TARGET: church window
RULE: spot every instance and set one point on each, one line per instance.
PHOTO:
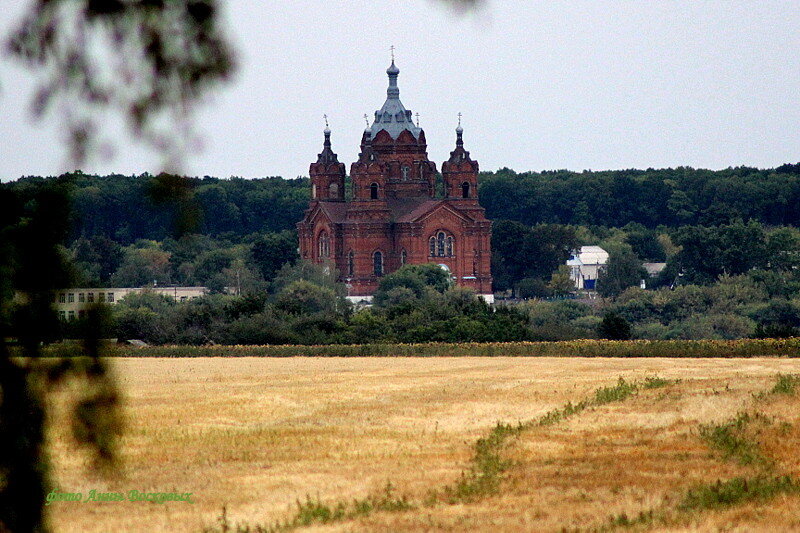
(373, 191)
(403, 257)
(324, 244)
(440, 239)
(387, 117)
(442, 245)
(377, 264)
(314, 191)
(404, 171)
(465, 190)
(351, 264)
(333, 190)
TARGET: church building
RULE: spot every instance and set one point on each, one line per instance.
(393, 214)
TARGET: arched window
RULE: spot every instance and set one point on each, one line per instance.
(404, 170)
(324, 244)
(377, 263)
(440, 240)
(373, 191)
(314, 190)
(351, 264)
(442, 245)
(403, 257)
(465, 190)
(333, 190)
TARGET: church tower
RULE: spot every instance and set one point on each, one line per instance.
(327, 174)
(400, 145)
(460, 173)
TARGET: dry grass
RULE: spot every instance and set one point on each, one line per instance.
(258, 434)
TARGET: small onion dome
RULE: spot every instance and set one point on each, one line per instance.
(392, 70)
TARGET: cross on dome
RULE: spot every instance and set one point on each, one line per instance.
(393, 117)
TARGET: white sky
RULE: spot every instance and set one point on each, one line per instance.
(542, 85)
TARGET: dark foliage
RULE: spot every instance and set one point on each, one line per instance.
(614, 327)
(31, 266)
(669, 197)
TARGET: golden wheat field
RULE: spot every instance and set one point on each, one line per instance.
(711, 445)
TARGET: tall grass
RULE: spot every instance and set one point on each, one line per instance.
(484, 475)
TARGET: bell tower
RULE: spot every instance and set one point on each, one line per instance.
(327, 174)
(460, 172)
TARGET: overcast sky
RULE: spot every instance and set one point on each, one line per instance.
(541, 84)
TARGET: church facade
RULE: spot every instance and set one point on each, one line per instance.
(393, 215)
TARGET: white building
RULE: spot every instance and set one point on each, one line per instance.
(73, 303)
(586, 265)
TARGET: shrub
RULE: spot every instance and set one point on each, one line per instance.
(613, 327)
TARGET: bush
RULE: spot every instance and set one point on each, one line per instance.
(613, 327)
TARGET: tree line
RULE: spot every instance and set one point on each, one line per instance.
(121, 207)
(242, 237)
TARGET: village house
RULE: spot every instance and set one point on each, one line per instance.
(586, 265)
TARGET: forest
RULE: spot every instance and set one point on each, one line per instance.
(729, 238)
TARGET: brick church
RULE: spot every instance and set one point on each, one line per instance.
(394, 215)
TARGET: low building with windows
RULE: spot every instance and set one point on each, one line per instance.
(72, 304)
(393, 215)
(586, 266)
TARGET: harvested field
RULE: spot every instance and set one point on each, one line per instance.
(257, 434)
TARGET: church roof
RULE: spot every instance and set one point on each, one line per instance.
(402, 209)
(335, 211)
(408, 209)
(393, 116)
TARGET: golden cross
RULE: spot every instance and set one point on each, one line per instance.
(366, 119)
(459, 118)
(326, 119)
(391, 49)
(417, 114)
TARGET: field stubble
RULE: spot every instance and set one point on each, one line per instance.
(256, 435)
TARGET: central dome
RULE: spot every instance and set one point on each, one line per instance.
(393, 117)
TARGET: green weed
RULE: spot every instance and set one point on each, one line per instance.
(730, 439)
(735, 491)
(314, 511)
(786, 384)
(619, 392)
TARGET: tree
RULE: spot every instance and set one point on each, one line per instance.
(99, 256)
(143, 266)
(623, 270)
(32, 266)
(415, 279)
(613, 327)
(272, 250)
(180, 54)
(304, 297)
(561, 283)
(520, 252)
(169, 54)
(708, 252)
